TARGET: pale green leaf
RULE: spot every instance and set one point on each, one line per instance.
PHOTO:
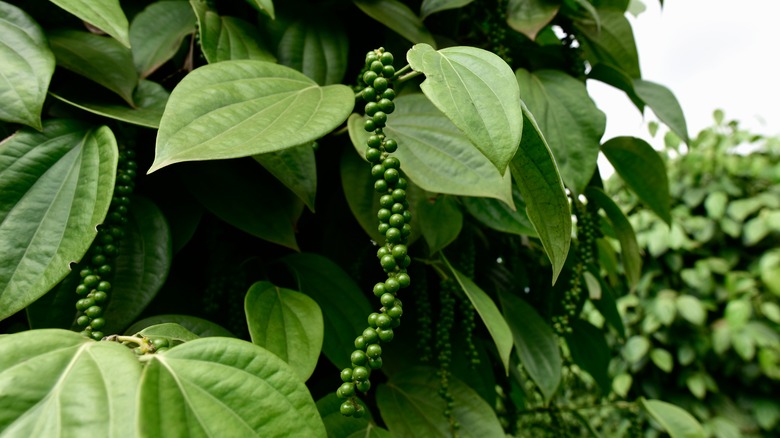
(55, 188)
(677, 422)
(286, 323)
(264, 6)
(692, 309)
(317, 47)
(157, 33)
(169, 330)
(665, 106)
(662, 359)
(106, 15)
(622, 384)
(296, 168)
(715, 204)
(398, 17)
(769, 270)
(199, 326)
(26, 66)
(530, 16)
(636, 348)
(239, 108)
(631, 256)
(440, 221)
(477, 91)
(429, 7)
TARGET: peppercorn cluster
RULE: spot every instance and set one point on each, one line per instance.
(394, 224)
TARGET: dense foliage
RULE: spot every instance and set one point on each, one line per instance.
(192, 193)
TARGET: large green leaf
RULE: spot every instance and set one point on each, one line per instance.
(535, 342)
(498, 216)
(486, 309)
(632, 258)
(339, 426)
(411, 407)
(665, 106)
(26, 66)
(225, 38)
(157, 32)
(440, 221)
(106, 15)
(142, 265)
(98, 58)
(317, 47)
(568, 118)
(547, 205)
(429, 7)
(286, 323)
(53, 381)
(643, 170)
(56, 308)
(239, 108)
(224, 387)
(398, 17)
(612, 75)
(611, 43)
(529, 17)
(434, 153)
(676, 421)
(296, 168)
(149, 98)
(201, 327)
(264, 6)
(240, 193)
(590, 351)
(55, 188)
(477, 91)
(331, 287)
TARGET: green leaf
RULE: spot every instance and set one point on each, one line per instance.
(692, 309)
(643, 171)
(612, 75)
(26, 66)
(612, 43)
(499, 216)
(489, 113)
(317, 47)
(149, 98)
(240, 193)
(622, 384)
(529, 17)
(98, 58)
(665, 106)
(142, 265)
(568, 118)
(440, 221)
(339, 426)
(434, 153)
(225, 38)
(330, 286)
(662, 359)
(590, 351)
(286, 323)
(157, 32)
(398, 17)
(715, 203)
(170, 331)
(264, 6)
(769, 270)
(632, 259)
(106, 15)
(547, 205)
(296, 168)
(535, 342)
(55, 188)
(410, 406)
(239, 108)
(224, 387)
(636, 348)
(429, 7)
(56, 308)
(201, 327)
(53, 380)
(607, 306)
(677, 422)
(486, 309)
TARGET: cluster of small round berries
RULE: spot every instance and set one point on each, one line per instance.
(422, 304)
(394, 223)
(468, 256)
(97, 271)
(447, 291)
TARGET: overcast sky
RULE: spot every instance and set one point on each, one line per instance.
(711, 54)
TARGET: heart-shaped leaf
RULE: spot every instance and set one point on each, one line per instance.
(240, 108)
(55, 188)
(286, 323)
(676, 421)
(224, 387)
(610, 40)
(398, 17)
(26, 66)
(296, 168)
(106, 15)
(440, 221)
(529, 17)
(201, 327)
(317, 47)
(157, 32)
(476, 90)
(665, 106)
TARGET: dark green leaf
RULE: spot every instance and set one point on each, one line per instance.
(330, 286)
(157, 32)
(239, 108)
(296, 168)
(590, 351)
(98, 58)
(434, 153)
(229, 38)
(440, 221)
(529, 17)
(53, 380)
(643, 170)
(568, 118)
(317, 47)
(57, 308)
(411, 407)
(339, 426)
(612, 75)
(224, 387)
(286, 323)
(488, 111)
(665, 106)
(488, 312)
(607, 306)
(398, 17)
(677, 422)
(547, 205)
(612, 43)
(429, 7)
(535, 342)
(199, 326)
(632, 259)
(142, 266)
(106, 15)
(55, 188)
(26, 66)
(264, 6)
(498, 216)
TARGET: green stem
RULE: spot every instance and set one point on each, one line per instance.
(403, 78)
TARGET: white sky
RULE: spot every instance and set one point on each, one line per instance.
(711, 54)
